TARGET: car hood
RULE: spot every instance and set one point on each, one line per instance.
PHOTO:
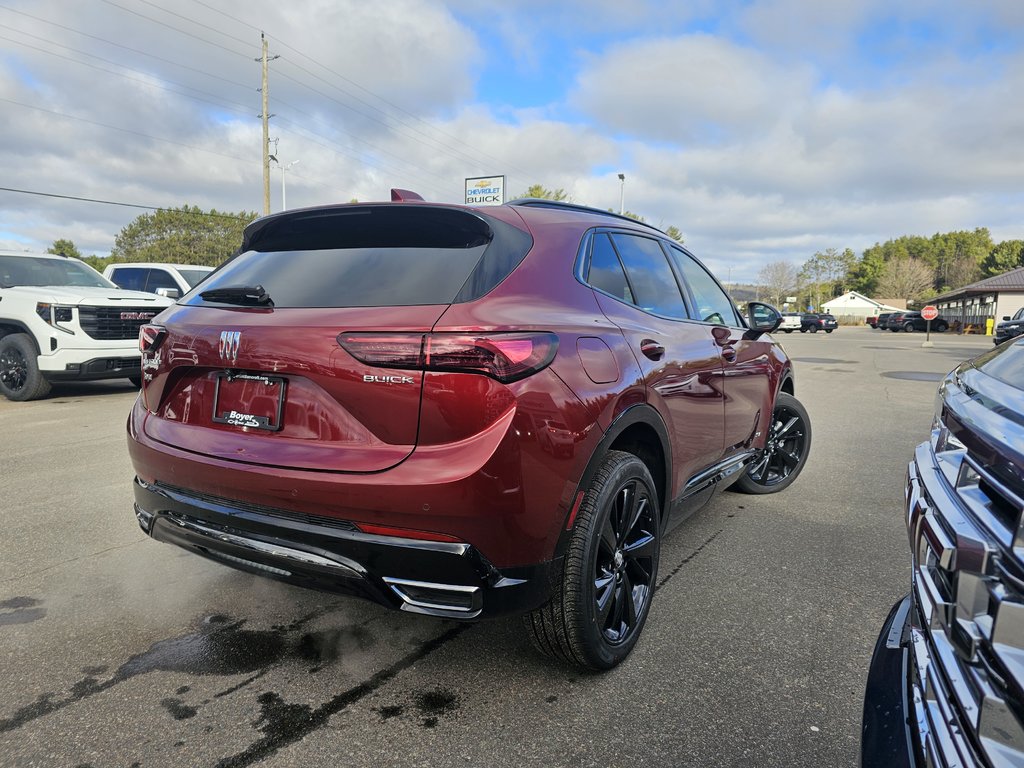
(78, 294)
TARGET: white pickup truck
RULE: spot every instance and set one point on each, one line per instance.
(60, 320)
(790, 322)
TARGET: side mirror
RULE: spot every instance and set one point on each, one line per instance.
(169, 293)
(763, 318)
(1006, 317)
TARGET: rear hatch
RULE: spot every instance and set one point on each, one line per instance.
(279, 359)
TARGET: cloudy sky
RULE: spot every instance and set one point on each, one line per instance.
(763, 129)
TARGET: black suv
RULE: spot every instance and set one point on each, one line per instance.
(946, 683)
(912, 321)
(814, 323)
(1010, 327)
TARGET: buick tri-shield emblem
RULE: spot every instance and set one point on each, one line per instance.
(229, 341)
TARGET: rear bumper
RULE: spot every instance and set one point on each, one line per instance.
(444, 579)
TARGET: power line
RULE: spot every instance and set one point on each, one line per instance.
(113, 202)
(240, 108)
(479, 152)
(207, 73)
(124, 130)
(176, 29)
(232, 106)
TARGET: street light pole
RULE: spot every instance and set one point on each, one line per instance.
(622, 193)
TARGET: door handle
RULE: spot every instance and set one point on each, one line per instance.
(652, 349)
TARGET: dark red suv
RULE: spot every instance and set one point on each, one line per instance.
(460, 412)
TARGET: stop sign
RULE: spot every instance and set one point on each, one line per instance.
(930, 312)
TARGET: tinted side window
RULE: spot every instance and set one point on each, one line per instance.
(654, 286)
(130, 278)
(160, 279)
(713, 305)
(605, 270)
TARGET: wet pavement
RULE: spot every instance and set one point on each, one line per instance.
(119, 651)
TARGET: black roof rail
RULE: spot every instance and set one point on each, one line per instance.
(543, 202)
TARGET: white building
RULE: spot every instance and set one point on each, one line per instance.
(854, 307)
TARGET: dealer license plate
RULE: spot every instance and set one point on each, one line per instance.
(249, 400)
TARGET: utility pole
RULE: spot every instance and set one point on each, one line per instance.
(265, 115)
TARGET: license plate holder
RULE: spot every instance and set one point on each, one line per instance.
(249, 400)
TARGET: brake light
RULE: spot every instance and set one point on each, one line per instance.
(151, 337)
(506, 357)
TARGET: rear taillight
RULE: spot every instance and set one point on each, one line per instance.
(506, 357)
(151, 337)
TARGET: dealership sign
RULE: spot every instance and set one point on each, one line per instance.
(485, 190)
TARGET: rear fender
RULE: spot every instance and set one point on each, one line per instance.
(658, 458)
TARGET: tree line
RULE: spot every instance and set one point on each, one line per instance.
(191, 235)
(910, 267)
(185, 235)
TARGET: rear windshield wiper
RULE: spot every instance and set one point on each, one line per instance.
(246, 295)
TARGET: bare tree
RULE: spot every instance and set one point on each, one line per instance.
(778, 280)
(906, 279)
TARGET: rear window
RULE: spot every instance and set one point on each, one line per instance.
(373, 256)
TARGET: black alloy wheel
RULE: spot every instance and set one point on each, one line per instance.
(597, 612)
(13, 369)
(785, 451)
(20, 378)
(625, 562)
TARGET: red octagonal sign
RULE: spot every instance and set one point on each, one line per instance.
(930, 312)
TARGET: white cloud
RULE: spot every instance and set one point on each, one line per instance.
(688, 89)
(759, 129)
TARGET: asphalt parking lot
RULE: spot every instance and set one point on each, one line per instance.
(118, 651)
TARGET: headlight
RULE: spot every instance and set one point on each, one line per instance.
(54, 313)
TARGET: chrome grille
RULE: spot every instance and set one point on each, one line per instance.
(110, 323)
(968, 635)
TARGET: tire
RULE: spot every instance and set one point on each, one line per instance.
(941, 327)
(136, 381)
(20, 378)
(788, 330)
(908, 327)
(599, 605)
(829, 330)
(785, 452)
(814, 329)
(803, 330)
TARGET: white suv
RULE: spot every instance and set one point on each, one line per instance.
(171, 280)
(60, 320)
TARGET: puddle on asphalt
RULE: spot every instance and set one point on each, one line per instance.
(21, 610)
(914, 375)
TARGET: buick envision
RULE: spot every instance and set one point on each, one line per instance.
(460, 412)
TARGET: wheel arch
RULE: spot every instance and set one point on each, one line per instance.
(787, 384)
(639, 430)
(8, 327)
